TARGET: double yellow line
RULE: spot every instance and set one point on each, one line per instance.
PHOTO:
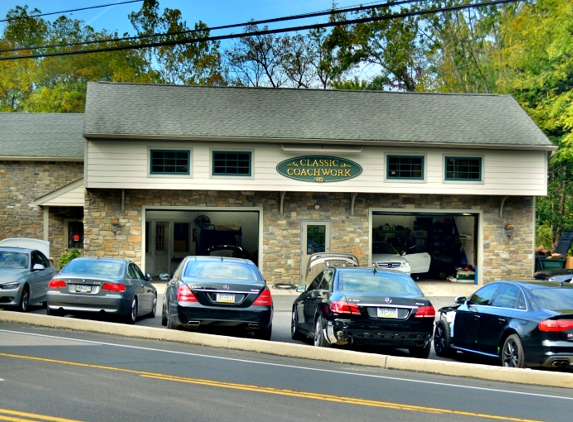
(268, 390)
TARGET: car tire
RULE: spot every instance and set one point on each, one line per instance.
(512, 354)
(319, 339)
(422, 352)
(163, 317)
(132, 314)
(153, 307)
(294, 333)
(442, 340)
(171, 324)
(24, 300)
(265, 333)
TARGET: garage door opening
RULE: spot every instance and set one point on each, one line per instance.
(171, 235)
(439, 246)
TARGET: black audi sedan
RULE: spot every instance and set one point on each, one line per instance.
(218, 292)
(521, 323)
(364, 306)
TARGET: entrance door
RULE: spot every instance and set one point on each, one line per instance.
(162, 247)
(316, 237)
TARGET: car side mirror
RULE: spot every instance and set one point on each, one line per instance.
(461, 300)
(301, 288)
(148, 277)
(38, 267)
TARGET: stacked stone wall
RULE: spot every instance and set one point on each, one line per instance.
(503, 257)
(21, 183)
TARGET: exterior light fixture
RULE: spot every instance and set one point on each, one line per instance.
(508, 229)
(115, 225)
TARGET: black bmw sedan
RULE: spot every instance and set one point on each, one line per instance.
(364, 306)
(218, 292)
(522, 323)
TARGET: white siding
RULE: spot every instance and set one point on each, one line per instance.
(124, 165)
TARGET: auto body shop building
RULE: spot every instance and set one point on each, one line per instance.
(170, 171)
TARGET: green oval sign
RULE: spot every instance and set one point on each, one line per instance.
(319, 169)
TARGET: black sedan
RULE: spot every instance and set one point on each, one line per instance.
(104, 286)
(364, 306)
(524, 324)
(218, 292)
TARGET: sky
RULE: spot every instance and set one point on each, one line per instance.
(211, 12)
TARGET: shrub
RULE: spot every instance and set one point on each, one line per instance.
(67, 257)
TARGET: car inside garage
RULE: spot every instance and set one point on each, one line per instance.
(449, 238)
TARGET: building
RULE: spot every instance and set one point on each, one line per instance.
(172, 170)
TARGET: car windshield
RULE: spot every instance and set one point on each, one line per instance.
(221, 270)
(554, 299)
(377, 283)
(384, 248)
(94, 267)
(16, 260)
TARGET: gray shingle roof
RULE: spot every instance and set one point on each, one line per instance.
(42, 135)
(327, 116)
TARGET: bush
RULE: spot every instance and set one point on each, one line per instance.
(67, 257)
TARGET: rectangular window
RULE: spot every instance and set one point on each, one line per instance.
(75, 235)
(170, 162)
(463, 168)
(231, 163)
(405, 167)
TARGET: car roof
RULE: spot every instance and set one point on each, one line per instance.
(15, 249)
(217, 258)
(539, 284)
(97, 258)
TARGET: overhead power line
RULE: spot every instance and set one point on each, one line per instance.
(218, 28)
(69, 11)
(264, 32)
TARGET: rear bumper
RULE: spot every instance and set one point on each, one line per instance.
(109, 304)
(341, 332)
(251, 318)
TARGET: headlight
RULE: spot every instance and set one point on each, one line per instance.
(405, 264)
(10, 285)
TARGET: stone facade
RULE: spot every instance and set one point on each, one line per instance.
(503, 257)
(21, 183)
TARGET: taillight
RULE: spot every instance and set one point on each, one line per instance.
(264, 299)
(114, 287)
(342, 307)
(425, 312)
(555, 325)
(184, 294)
(55, 284)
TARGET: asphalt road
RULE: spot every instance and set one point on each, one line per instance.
(48, 373)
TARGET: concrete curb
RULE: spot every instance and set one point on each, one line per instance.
(521, 376)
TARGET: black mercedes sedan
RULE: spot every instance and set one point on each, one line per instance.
(218, 292)
(521, 323)
(364, 306)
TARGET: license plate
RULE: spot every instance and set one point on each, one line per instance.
(226, 298)
(80, 288)
(387, 313)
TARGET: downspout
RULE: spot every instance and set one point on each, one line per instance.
(46, 223)
(501, 206)
(281, 206)
(352, 200)
(123, 200)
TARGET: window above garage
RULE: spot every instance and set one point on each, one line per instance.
(464, 169)
(404, 167)
(170, 162)
(232, 163)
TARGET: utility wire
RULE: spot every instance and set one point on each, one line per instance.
(218, 28)
(264, 32)
(68, 11)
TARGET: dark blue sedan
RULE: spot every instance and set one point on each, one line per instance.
(524, 324)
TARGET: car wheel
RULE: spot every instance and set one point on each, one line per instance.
(512, 354)
(294, 333)
(319, 340)
(24, 300)
(171, 324)
(132, 315)
(163, 317)
(442, 340)
(153, 307)
(265, 333)
(420, 352)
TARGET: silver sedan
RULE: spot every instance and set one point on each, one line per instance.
(102, 286)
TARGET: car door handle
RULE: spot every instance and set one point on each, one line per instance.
(477, 316)
(501, 320)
